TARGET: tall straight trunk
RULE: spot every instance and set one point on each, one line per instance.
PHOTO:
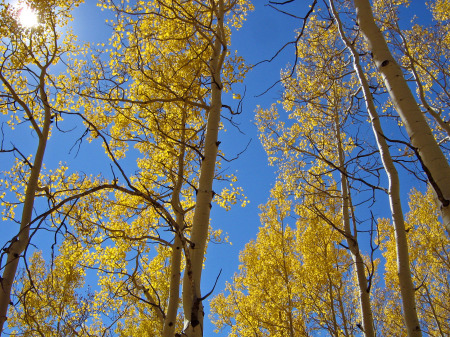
(20, 242)
(192, 298)
(407, 290)
(433, 160)
(352, 242)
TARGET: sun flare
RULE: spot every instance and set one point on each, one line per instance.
(27, 17)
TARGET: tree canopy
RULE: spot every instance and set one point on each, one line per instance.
(353, 237)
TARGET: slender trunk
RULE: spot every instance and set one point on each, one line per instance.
(20, 242)
(174, 288)
(433, 160)
(192, 298)
(352, 242)
(403, 266)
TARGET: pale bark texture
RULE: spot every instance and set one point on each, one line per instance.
(192, 298)
(433, 160)
(20, 242)
(174, 296)
(403, 264)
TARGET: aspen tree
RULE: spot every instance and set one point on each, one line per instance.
(352, 240)
(30, 93)
(162, 93)
(420, 134)
(318, 141)
(404, 272)
(281, 137)
(192, 298)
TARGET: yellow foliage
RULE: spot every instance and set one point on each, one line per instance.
(289, 280)
(430, 264)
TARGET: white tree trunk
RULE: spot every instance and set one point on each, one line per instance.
(174, 291)
(407, 290)
(192, 298)
(416, 126)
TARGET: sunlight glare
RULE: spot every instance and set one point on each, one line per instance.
(27, 16)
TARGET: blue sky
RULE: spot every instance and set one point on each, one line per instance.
(264, 32)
